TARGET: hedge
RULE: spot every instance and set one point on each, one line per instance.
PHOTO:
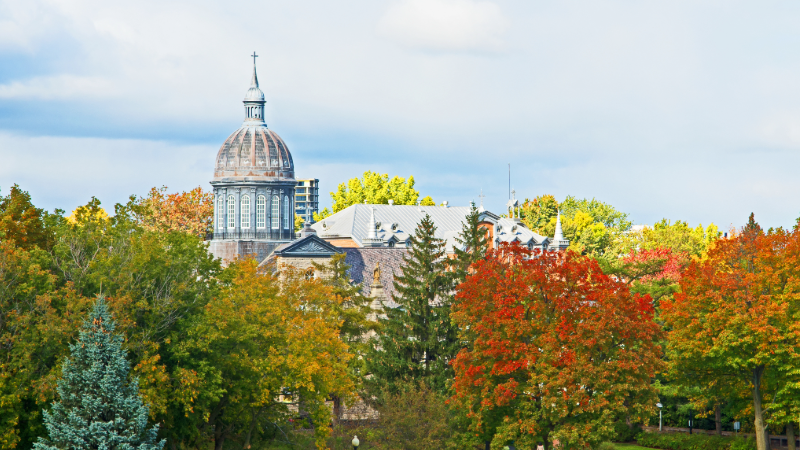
(681, 441)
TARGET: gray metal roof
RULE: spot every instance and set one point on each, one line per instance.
(398, 222)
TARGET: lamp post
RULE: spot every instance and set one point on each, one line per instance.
(355, 442)
(659, 416)
(690, 426)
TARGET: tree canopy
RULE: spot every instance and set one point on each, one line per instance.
(375, 189)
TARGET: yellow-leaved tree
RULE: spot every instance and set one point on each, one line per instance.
(375, 189)
(265, 351)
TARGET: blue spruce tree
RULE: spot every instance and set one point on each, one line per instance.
(99, 407)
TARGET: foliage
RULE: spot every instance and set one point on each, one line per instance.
(413, 418)
(557, 349)
(99, 406)
(376, 189)
(681, 441)
(188, 212)
(734, 323)
(606, 446)
(23, 223)
(591, 226)
(418, 339)
(475, 243)
(262, 338)
(298, 223)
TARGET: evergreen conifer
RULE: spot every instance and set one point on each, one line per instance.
(417, 339)
(475, 245)
(99, 407)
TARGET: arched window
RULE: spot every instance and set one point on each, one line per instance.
(261, 212)
(244, 222)
(275, 211)
(220, 212)
(231, 212)
(285, 212)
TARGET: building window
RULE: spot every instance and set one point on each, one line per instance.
(261, 212)
(231, 212)
(286, 212)
(220, 212)
(275, 211)
(244, 222)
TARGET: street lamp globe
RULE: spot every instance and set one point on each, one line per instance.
(356, 442)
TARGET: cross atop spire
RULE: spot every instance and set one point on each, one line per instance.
(254, 80)
(481, 209)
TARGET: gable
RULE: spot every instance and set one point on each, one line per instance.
(308, 246)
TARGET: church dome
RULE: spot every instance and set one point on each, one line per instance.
(254, 152)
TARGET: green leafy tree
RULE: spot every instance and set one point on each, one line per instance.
(418, 340)
(99, 406)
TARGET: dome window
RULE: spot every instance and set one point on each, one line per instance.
(220, 212)
(244, 221)
(261, 212)
(231, 211)
(285, 212)
(276, 209)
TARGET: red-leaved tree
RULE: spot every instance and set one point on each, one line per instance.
(556, 350)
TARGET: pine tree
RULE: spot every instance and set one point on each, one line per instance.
(475, 243)
(418, 340)
(99, 407)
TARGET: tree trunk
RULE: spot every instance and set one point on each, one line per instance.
(762, 439)
(337, 409)
(790, 436)
(718, 418)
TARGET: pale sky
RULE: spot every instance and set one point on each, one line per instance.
(687, 110)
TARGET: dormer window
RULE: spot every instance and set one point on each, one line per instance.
(394, 226)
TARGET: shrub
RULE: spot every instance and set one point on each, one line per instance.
(680, 441)
(606, 446)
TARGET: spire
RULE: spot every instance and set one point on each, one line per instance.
(372, 233)
(481, 208)
(254, 80)
(372, 239)
(558, 235)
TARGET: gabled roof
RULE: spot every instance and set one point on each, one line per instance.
(398, 222)
(305, 247)
(362, 264)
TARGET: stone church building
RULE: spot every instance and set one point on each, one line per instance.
(254, 194)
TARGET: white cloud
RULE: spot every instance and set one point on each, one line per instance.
(446, 25)
(58, 87)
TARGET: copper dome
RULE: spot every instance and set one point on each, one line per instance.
(254, 153)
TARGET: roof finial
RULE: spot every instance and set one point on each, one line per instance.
(254, 81)
(372, 233)
(558, 235)
(481, 209)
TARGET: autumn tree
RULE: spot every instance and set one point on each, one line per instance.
(188, 212)
(354, 311)
(375, 189)
(418, 339)
(557, 349)
(735, 322)
(262, 338)
(23, 223)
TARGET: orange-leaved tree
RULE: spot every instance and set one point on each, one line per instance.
(735, 322)
(189, 212)
(556, 349)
